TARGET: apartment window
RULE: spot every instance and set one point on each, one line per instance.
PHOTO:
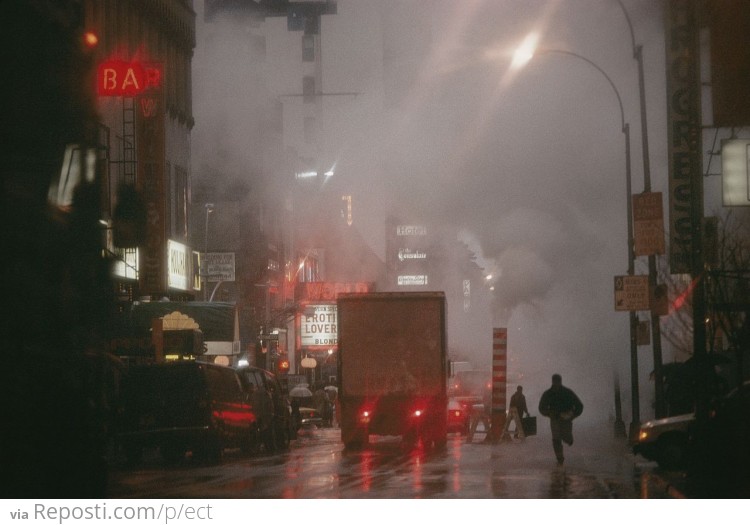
(178, 202)
(308, 48)
(308, 89)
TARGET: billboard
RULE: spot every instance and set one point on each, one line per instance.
(318, 326)
(407, 253)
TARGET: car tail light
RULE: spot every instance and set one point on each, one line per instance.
(364, 416)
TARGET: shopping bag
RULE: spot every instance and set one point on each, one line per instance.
(529, 425)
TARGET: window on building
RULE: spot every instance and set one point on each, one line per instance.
(308, 127)
(178, 202)
(308, 89)
(308, 48)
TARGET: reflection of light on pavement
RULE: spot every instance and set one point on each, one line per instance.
(365, 469)
(417, 458)
(456, 456)
(323, 481)
(292, 470)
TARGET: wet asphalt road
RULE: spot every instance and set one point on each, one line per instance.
(317, 466)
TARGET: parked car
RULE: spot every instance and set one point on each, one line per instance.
(310, 416)
(459, 414)
(184, 406)
(720, 452)
(670, 440)
(665, 440)
(271, 406)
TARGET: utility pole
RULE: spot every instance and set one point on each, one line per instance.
(652, 277)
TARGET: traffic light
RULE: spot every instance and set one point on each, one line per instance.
(282, 367)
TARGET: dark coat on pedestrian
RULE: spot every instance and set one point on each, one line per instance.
(518, 401)
(559, 402)
(561, 405)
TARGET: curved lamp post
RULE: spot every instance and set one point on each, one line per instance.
(520, 60)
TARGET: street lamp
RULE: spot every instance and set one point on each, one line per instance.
(209, 209)
(522, 56)
(655, 321)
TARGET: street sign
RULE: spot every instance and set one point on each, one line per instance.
(268, 337)
(631, 293)
(220, 266)
(648, 224)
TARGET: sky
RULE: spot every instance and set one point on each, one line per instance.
(529, 164)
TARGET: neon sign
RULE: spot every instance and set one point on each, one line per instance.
(120, 78)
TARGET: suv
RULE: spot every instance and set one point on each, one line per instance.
(184, 406)
(271, 405)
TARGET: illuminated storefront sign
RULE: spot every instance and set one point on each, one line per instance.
(734, 172)
(318, 325)
(405, 230)
(177, 265)
(412, 280)
(408, 254)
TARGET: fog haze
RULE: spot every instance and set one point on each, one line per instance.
(430, 121)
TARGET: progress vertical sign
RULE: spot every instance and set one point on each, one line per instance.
(684, 132)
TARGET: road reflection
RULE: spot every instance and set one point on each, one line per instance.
(318, 466)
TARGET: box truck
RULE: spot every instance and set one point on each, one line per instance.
(392, 366)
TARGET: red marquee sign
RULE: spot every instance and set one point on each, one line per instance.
(120, 78)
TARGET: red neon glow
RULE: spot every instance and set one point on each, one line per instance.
(681, 299)
(120, 78)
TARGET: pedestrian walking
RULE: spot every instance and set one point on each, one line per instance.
(518, 401)
(561, 405)
(516, 411)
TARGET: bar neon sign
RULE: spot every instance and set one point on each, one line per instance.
(120, 78)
